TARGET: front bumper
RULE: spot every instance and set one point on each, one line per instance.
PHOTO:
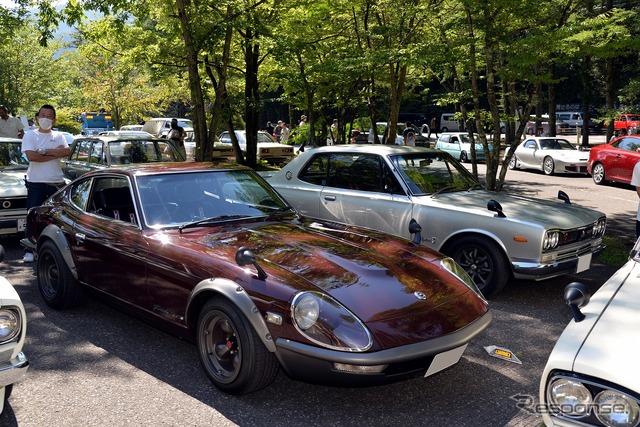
(13, 370)
(316, 364)
(542, 271)
(13, 225)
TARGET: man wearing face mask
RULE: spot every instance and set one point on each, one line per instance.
(44, 148)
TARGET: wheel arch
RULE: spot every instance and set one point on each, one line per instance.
(54, 234)
(483, 234)
(234, 293)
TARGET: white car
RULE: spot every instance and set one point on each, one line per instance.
(268, 148)
(550, 155)
(13, 329)
(493, 236)
(13, 192)
(592, 376)
(459, 146)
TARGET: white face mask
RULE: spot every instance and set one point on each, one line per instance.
(45, 124)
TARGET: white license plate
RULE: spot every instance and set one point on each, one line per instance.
(22, 223)
(444, 360)
(584, 262)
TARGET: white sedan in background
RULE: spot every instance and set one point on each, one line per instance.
(458, 145)
(550, 155)
(269, 149)
(592, 376)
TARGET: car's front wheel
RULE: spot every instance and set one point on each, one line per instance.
(463, 157)
(231, 352)
(548, 165)
(513, 162)
(58, 287)
(483, 261)
(597, 173)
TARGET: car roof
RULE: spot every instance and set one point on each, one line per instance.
(384, 149)
(142, 169)
(121, 137)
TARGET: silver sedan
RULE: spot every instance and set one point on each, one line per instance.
(493, 236)
(550, 155)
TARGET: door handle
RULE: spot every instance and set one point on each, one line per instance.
(330, 198)
(80, 238)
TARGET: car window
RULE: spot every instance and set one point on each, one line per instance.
(80, 194)
(444, 138)
(140, 151)
(81, 150)
(454, 140)
(530, 144)
(316, 170)
(264, 137)
(97, 155)
(630, 144)
(355, 171)
(11, 155)
(111, 198)
(427, 173)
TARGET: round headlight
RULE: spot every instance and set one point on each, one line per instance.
(9, 324)
(570, 398)
(616, 409)
(306, 311)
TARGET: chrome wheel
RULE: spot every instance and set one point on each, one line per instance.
(548, 166)
(597, 173)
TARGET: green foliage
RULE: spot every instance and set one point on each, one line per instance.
(616, 252)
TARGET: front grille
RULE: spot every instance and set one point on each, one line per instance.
(576, 235)
(13, 203)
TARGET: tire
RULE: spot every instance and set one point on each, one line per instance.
(7, 392)
(513, 162)
(548, 166)
(484, 261)
(231, 353)
(463, 157)
(444, 129)
(503, 130)
(598, 174)
(58, 287)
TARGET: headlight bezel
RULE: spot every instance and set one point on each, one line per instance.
(330, 328)
(596, 410)
(454, 268)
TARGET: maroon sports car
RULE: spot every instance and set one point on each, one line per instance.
(214, 255)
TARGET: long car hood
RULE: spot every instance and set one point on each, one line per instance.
(610, 334)
(554, 213)
(13, 183)
(374, 275)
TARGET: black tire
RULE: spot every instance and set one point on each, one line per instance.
(513, 162)
(231, 352)
(58, 287)
(444, 129)
(463, 157)
(548, 166)
(484, 261)
(598, 174)
(7, 392)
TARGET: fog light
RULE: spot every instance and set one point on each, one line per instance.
(359, 369)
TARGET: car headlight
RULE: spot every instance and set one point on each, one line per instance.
(571, 398)
(616, 409)
(326, 322)
(599, 227)
(454, 268)
(9, 324)
(551, 239)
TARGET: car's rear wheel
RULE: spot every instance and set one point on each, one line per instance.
(483, 260)
(463, 157)
(598, 174)
(548, 165)
(231, 352)
(58, 287)
(444, 129)
(513, 162)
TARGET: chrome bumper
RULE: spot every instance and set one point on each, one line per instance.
(13, 370)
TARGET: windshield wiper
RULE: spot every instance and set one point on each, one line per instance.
(448, 187)
(278, 211)
(210, 219)
(474, 185)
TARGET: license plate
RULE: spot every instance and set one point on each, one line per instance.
(444, 360)
(584, 262)
(22, 223)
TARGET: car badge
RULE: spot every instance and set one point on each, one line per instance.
(420, 295)
(502, 353)
(288, 175)
(6, 204)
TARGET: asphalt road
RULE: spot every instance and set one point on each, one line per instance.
(95, 365)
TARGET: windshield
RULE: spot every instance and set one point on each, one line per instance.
(555, 144)
(429, 173)
(11, 156)
(140, 151)
(175, 199)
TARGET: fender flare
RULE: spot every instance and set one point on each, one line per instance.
(241, 299)
(55, 234)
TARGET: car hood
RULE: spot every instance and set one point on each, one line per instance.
(605, 344)
(569, 155)
(401, 291)
(525, 210)
(13, 183)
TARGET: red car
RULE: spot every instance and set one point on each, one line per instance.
(214, 255)
(614, 161)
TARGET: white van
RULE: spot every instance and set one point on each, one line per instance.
(449, 124)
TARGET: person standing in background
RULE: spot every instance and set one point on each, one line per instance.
(284, 133)
(176, 135)
(10, 127)
(433, 127)
(44, 148)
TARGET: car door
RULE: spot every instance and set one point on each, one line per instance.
(77, 163)
(527, 153)
(362, 190)
(623, 161)
(110, 253)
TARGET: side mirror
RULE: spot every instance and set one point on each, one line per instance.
(244, 256)
(494, 206)
(415, 229)
(1, 253)
(576, 296)
(564, 196)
